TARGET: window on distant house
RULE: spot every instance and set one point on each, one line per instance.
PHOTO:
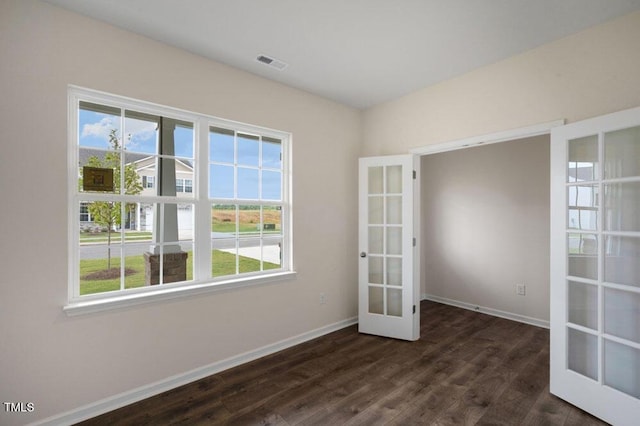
(157, 204)
(147, 181)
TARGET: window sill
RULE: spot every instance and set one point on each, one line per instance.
(81, 307)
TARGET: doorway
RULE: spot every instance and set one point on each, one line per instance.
(485, 228)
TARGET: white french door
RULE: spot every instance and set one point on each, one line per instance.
(389, 286)
(595, 265)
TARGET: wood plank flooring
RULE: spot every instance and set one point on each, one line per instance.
(467, 369)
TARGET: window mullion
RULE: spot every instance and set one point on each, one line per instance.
(202, 219)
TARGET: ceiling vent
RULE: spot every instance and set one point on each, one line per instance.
(272, 62)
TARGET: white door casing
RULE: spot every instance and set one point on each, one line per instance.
(595, 265)
(389, 283)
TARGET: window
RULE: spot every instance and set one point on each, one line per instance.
(184, 185)
(147, 181)
(157, 205)
(245, 172)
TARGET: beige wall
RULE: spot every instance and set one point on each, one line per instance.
(485, 226)
(591, 73)
(62, 363)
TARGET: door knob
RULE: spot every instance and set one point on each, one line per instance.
(363, 254)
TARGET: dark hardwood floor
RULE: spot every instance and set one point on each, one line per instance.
(467, 369)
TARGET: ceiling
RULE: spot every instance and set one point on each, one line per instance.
(357, 52)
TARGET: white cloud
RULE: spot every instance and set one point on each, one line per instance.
(139, 131)
(101, 129)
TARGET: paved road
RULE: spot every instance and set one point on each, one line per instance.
(99, 251)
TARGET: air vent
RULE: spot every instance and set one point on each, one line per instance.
(272, 62)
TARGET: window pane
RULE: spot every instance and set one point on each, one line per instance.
(221, 145)
(250, 256)
(582, 353)
(220, 181)
(98, 171)
(141, 133)
(622, 260)
(583, 207)
(619, 360)
(583, 260)
(184, 139)
(223, 261)
(272, 255)
(223, 221)
(394, 271)
(622, 153)
(100, 267)
(394, 210)
(622, 314)
(98, 126)
(394, 240)
(134, 262)
(394, 179)
(583, 304)
(185, 222)
(394, 302)
(271, 185)
(583, 159)
(247, 183)
(271, 153)
(376, 184)
(375, 270)
(376, 213)
(376, 240)
(248, 150)
(249, 223)
(271, 220)
(622, 201)
(144, 217)
(376, 301)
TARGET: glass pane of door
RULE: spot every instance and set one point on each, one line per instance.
(385, 240)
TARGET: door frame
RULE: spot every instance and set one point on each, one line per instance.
(490, 138)
(510, 135)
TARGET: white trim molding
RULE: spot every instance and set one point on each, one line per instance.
(129, 397)
(504, 136)
(489, 311)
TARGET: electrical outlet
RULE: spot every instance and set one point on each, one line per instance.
(521, 289)
(323, 299)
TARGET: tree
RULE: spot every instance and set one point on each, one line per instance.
(109, 213)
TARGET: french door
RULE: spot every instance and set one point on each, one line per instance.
(595, 265)
(389, 286)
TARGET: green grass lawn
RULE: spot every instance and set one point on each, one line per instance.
(223, 264)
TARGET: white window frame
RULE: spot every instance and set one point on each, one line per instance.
(202, 280)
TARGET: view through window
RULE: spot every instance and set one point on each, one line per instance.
(151, 194)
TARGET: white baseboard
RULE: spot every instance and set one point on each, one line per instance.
(489, 311)
(138, 394)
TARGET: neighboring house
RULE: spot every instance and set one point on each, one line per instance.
(141, 219)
